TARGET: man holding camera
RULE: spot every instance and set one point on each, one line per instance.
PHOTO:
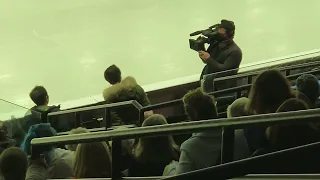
(223, 54)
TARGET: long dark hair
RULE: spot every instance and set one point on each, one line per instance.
(268, 92)
(156, 149)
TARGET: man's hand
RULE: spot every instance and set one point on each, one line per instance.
(204, 55)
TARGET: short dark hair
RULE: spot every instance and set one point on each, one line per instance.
(292, 104)
(199, 105)
(112, 74)
(13, 164)
(39, 95)
(268, 92)
(308, 85)
(229, 26)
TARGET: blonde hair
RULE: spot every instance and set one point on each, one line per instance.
(92, 160)
(79, 130)
(156, 149)
(238, 108)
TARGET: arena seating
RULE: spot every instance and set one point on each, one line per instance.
(99, 118)
(294, 160)
(247, 78)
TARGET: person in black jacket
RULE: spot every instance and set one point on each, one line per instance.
(38, 113)
(223, 54)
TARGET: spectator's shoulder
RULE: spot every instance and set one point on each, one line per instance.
(189, 144)
(125, 85)
(236, 48)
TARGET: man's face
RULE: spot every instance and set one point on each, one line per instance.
(222, 31)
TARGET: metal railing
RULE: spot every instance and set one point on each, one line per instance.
(250, 75)
(238, 90)
(297, 160)
(106, 107)
(228, 125)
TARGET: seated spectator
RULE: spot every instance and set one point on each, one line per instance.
(38, 169)
(238, 109)
(38, 113)
(5, 140)
(267, 93)
(92, 160)
(53, 156)
(151, 155)
(124, 90)
(308, 89)
(79, 130)
(13, 164)
(203, 149)
(291, 135)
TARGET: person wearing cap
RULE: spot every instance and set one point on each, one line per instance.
(223, 54)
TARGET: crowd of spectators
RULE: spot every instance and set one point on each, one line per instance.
(271, 92)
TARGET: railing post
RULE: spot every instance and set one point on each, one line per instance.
(238, 94)
(141, 116)
(108, 118)
(116, 159)
(227, 145)
(78, 119)
(250, 79)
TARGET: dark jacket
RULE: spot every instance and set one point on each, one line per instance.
(128, 89)
(223, 56)
(37, 115)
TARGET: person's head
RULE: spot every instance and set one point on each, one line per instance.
(292, 104)
(39, 96)
(238, 108)
(268, 92)
(92, 160)
(112, 74)
(79, 130)
(199, 105)
(290, 135)
(13, 164)
(308, 85)
(226, 29)
(155, 149)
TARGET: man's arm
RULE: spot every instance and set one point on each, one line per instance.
(232, 62)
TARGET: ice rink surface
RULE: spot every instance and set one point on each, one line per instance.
(65, 45)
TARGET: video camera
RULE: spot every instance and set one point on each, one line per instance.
(209, 36)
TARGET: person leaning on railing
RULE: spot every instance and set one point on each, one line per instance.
(56, 159)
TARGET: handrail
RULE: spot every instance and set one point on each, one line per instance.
(107, 109)
(124, 103)
(181, 128)
(275, 161)
(292, 67)
(276, 60)
(216, 93)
